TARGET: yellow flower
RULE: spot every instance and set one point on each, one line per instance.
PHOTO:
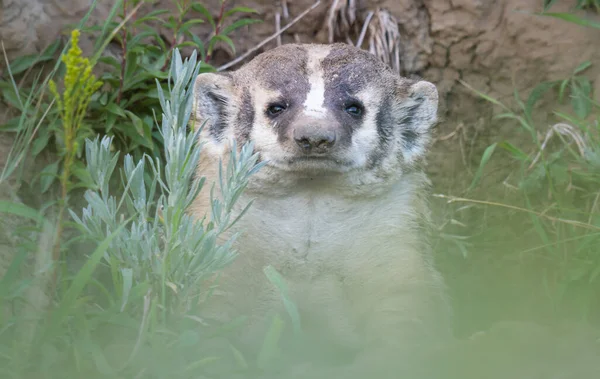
(79, 85)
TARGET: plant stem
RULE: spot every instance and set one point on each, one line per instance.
(217, 29)
(124, 53)
(64, 185)
(175, 32)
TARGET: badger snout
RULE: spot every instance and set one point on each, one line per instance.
(314, 139)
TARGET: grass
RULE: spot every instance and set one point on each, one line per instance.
(532, 235)
(128, 306)
(145, 275)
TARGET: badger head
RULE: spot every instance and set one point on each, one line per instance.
(315, 110)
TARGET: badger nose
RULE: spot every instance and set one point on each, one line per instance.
(317, 141)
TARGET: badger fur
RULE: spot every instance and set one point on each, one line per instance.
(339, 209)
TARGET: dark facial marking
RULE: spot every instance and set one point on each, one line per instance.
(220, 111)
(408, 132)
(346, 73)
(409, 138)
(284, 70)
(385, 130)
(387, 123)
(245, 118)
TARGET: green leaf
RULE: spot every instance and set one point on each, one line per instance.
(276, 279)
(239, 357)
(25, 62)
(152, 16)
(487, 154)
(513, 150)
(79, 282)
(127, 275)
(206, 67)
(186, 26)
(137, 40)
(200, 363)
(239, 24)
(186, 43)
(573, 19)
(239, 10)
(201, 9)
(567, 117)
(12, 98)
(188, 339)
(561, 90)
(115, 109)
(223, 329)
(548, 4)
(107, 24)
(40, 141)
(580, 102)
(269, 348)
(11, 275)
(111, 119)
(483, 95)
(537, 94)
(137, 122)
(136, 136)
(582, 67)
(594, 274)
(47, 176)
(110, 61)
(20, 210)
(12, 125)
(83, 175)
(223, 38)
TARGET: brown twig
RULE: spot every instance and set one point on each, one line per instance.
(452, 199)
(286, 17)
(278, 27)
(217, 30)
(330, 19)
(268, 39)
(284, 9)
(363, 32)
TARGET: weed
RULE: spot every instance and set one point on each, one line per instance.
(554, 186)
(581, 4)
(154, 255)
(122, 108)
(79, 86)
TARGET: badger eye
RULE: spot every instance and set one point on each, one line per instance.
(275, 109)
(354, 109)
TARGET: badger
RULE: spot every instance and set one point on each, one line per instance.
(339, 208)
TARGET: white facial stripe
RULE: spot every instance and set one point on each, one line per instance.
(263, 133)
(366, 138)
(315, 99)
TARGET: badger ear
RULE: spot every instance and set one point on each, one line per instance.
(418, 115)
(213, 101)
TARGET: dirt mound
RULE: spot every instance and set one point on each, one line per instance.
(494, 46)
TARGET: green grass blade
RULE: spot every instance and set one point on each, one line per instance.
(20, 210)
(276, 279)
(81, 279)
(573, 19)
(487, 154)
(271, 342)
